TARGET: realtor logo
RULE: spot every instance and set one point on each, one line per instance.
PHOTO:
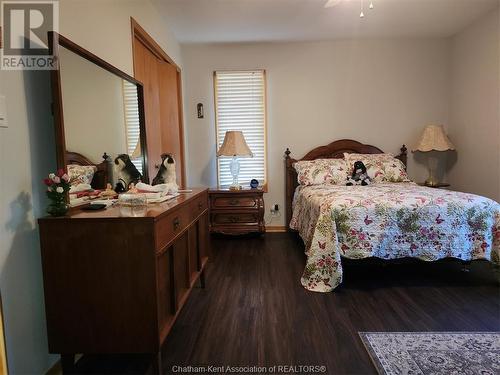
(25, 25)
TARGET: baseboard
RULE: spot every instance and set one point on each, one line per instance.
(56, 368)
(275, 229)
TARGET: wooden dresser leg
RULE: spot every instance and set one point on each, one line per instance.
(68, 363)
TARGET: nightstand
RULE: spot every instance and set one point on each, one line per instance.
(236, 211)
(441, 185)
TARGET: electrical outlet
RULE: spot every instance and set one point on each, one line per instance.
(275, 209)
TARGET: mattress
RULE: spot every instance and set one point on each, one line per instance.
(390, 221)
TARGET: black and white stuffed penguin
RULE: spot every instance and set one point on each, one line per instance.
(166, 174)
(126, 173)
(359, 175)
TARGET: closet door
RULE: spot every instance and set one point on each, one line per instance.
(146, 71)
(170, 114)
(162, 102)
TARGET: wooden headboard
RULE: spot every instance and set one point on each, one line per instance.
(101, 176)
(334, 150)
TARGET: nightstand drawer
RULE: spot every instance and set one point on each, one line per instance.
(227, 202)
(235, 218)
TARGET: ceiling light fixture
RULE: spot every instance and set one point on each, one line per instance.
(332, 3)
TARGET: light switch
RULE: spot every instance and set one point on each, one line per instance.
(3, 113)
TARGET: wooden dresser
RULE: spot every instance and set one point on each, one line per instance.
(236, 211)
(116, 284)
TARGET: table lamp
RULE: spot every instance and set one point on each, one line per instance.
(433, 140)
(234, 145)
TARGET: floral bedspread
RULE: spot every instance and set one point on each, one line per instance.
(389, 221)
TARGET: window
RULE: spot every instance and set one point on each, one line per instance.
(240, 104)
(133, 130)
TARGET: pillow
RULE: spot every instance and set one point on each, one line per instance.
(380, 167)
(321, 171)
(81, 174)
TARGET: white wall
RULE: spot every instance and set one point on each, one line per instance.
(475, 107)
(380, 92)
(27, 154)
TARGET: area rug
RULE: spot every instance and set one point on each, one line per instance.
(436, 353)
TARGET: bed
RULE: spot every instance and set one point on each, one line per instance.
(101, 175)
(387, 220)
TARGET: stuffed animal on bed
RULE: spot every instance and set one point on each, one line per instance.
(359, 175)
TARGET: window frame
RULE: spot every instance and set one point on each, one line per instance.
(264, 186)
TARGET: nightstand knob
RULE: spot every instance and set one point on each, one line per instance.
(234, 202)
(233, 219)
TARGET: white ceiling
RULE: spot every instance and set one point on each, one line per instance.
(212, 21)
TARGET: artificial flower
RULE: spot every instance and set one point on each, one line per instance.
(60, 190)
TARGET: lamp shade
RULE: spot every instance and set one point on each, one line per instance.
(234, 145)
(434, 139)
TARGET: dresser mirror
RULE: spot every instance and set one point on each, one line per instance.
(98, 112)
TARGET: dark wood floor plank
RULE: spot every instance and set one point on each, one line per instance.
(255, 312)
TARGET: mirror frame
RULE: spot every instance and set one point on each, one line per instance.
(55, 42)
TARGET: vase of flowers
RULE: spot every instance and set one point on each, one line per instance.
(57, 188)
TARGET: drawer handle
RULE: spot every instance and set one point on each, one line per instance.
(176, 223)
(233, 219)
(200, 205)
(234, 202)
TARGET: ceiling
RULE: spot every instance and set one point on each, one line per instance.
(222, 21)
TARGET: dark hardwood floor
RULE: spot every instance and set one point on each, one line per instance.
(255, 312)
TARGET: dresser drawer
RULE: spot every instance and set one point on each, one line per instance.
(198, 205)
(229, 202)
(170, 226)
(235, 218)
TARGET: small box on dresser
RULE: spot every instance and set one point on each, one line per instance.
(236, 211)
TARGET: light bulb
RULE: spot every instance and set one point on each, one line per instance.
(361, 15)
(371, 5)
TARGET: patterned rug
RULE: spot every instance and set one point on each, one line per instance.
(436, 353)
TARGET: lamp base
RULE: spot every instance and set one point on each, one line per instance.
(432, 163)
(431, 183)
(234, 167)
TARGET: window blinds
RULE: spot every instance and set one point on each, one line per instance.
(133, 130)
(240, 98)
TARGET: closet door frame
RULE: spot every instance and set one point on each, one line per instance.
(139, 34)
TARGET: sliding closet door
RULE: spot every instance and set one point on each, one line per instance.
(146, 71)
(162, 102)
(170, 111)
